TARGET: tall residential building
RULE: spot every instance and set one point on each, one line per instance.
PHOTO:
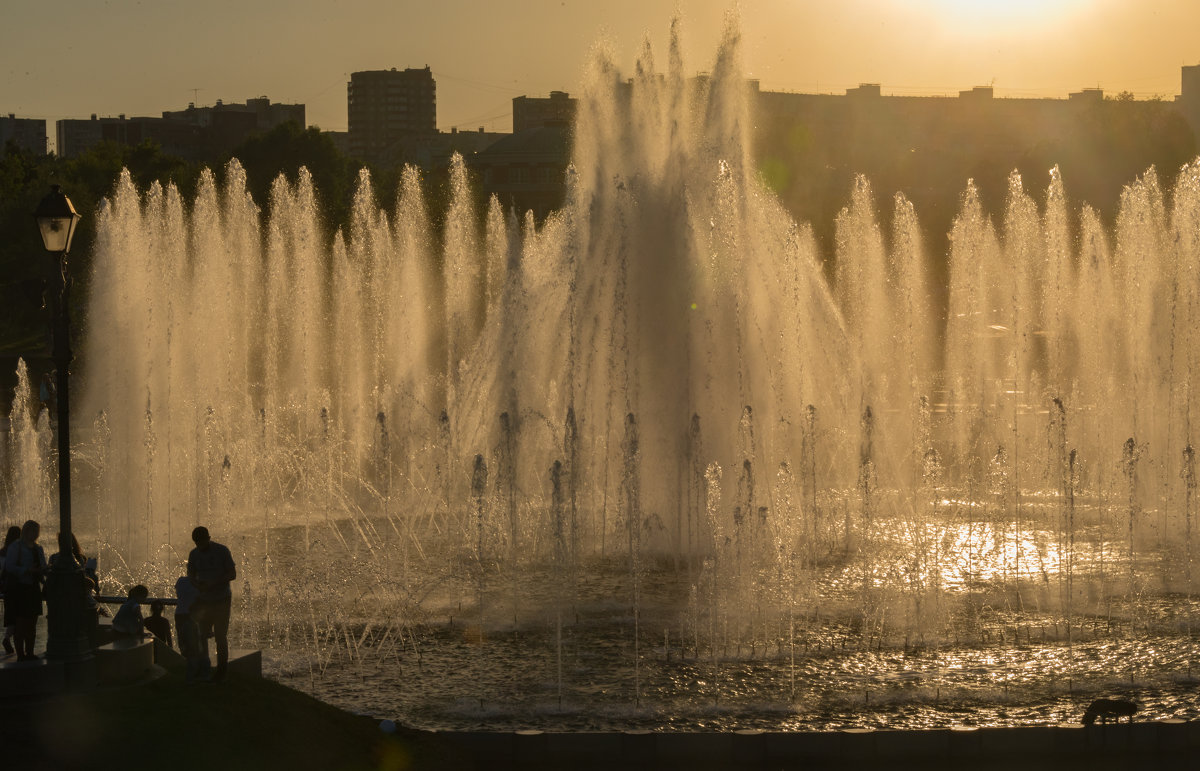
(387, 108)
(1188, 100)
(28, 133)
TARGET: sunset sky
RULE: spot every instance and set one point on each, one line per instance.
(140, 57)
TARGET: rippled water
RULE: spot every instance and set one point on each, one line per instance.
(510, 683)
(1001, 648)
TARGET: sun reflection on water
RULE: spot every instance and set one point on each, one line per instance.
(963, 621)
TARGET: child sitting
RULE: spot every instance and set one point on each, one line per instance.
(128, 621)
(188, 630)
(157, 625)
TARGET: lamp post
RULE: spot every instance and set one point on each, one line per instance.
(67, 639)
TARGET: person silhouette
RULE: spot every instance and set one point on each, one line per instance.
(91, 609)
(187, 631)
(211, 569)
(25, 562)
(157, 625)
(8, 588)
(129, 621)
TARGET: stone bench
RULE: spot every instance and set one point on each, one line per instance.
(125, 660)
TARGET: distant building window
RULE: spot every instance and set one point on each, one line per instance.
(520, 175)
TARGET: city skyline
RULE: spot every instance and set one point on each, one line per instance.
(132, 59)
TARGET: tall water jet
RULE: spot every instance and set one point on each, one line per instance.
(28, 453)
(561, 557)
(572, 476)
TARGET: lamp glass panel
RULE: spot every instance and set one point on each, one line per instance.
(56, 232)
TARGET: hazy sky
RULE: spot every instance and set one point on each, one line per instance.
(140, 57)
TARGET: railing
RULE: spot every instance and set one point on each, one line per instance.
(107, 600)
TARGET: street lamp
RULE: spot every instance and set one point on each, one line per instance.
(66, 638)
(56, 218)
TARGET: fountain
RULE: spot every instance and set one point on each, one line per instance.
(641, 464)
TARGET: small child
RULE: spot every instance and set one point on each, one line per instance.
(188, 630)
(157, 625)
(128, 622)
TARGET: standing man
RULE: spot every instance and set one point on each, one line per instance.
(210, 569)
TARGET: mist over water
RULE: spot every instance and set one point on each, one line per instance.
(643, 463)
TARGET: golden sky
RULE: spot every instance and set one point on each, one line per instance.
(140, 57)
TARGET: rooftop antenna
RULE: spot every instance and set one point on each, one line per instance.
(195, 94)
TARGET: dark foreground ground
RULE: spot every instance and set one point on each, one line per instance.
(258, 724)
(168, 724)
